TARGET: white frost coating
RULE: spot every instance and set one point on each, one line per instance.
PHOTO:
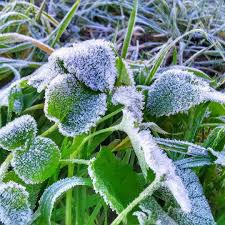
(43, 76)
(177, 91)
(14, 206)
(37, 163)
(53, 192)
(219, 155)
(162, 165)
(73, 106)
(97, 189)
(92, 62)
(129, 126)
(131, 99)
(200, 213)
(16, 135)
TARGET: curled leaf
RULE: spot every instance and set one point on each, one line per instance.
(92, 62)
(177, 91)
(53, 192)
(14, 207)
(37, 163)
(75, 107)
(18, 134)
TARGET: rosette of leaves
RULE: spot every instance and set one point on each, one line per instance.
(177, 91)
(77, 80)
(35, 158)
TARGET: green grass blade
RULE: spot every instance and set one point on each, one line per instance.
(64, 23)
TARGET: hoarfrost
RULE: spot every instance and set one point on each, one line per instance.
(43, 76)
(177, 91)
(131, 99)
(14, 207)
(201, 213)
(38, 162)
(75, 107)
(16, 135)
(92, 62)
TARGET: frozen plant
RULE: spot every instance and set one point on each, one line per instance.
(177, 91)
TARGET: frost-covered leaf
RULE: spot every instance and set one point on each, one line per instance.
(177, 91)
(132, 100)
(53, 192)
(18, 134)
(200, 211)
(72, 105)
(39, 162)
(152, 213)
(112, 178)
(92, 62)
(158, 161)
(33, 190)
(14, 207)
(42, 77)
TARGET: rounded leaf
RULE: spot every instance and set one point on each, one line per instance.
(14, 207)
(37, 163)
(17, 134)
(176, 91)
(72, 105)
(92, 62)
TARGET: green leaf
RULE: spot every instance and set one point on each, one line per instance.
(111, 179)
(39, 162)
(52, 193)
(18, 134)
(15, 99)
(72, 105)
(177, 91)
(14, 207)
(33, 190)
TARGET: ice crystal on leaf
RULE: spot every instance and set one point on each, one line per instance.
(17, 134)
(14, 207)
(163, 166)
(92, 62)
(131, 99)
(75, 107)
(43, 76)
(38, 162)
(200, 213)
(177, 91)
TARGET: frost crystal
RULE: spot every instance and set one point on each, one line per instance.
(162, 165)
(43, 76)
(17, 134)
(92, 62)
(38, 162)
(200, 213)
(14, 207)
(75, 107)
(131, 99)
(177, 91)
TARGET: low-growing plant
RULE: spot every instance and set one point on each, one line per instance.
(122, 148)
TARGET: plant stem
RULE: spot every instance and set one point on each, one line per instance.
(69, 198)
(77, 151)
(78, 161)
(50, 130)
(4, 166)
(34, 107)
(109, 116)
(144, 194)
